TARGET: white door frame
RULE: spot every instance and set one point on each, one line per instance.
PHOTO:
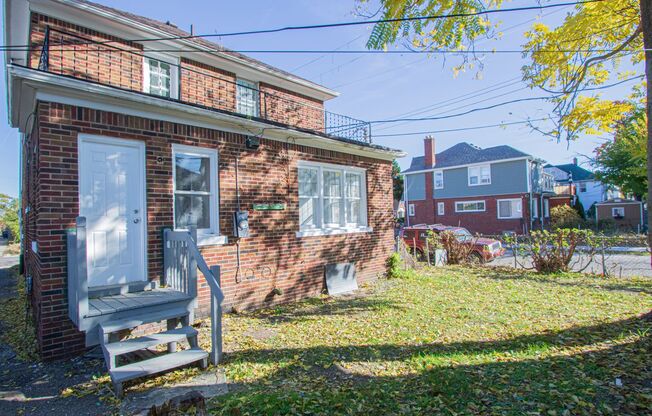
(140, 146)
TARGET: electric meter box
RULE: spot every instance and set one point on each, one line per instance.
(241, 224)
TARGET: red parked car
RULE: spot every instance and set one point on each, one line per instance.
(484, 250)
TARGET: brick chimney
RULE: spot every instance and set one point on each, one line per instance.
(429, 151)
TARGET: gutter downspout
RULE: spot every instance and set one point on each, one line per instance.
(405, 198)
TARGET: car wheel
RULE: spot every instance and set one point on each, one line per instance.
(475, 258)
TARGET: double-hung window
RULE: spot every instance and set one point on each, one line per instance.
(546, 208)
(332, 198)
(247, 97)
(510, 208)
(160, 76)
(439, 179)
(535, 208)
(195, 190)
(479, 175)
(440, 208)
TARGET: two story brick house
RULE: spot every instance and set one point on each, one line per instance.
(488, 191)
(125, 137)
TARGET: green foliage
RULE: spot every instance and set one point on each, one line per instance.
(564, 216)
(580, 209)
(18, 327)
(397, 181)
(552, 252)
(9, 212)
(393, 264)
(622, 162)
(457, 252)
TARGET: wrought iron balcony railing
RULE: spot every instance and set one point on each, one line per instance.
(126, 66)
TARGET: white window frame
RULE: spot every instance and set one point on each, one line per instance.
(252, 86)
(411, 210)
(484, 206)
(471, 172)
(174, 73)
(535, 207)
(342, 228)
(206, 236)
(516, 213)
(434, 178)
(546, 208)
(618, 209)
(441, 208)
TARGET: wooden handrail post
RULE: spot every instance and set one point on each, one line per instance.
(216, 320)
(82, 269)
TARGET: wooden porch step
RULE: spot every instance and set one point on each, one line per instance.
(146, 341)
(158, 365)
(141, 319)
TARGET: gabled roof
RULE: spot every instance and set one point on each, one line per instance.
(174, 31)
(466, 154)
(578, 172)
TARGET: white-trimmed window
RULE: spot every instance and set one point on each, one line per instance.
(510, 208)
(247, 97)
(411, 210)
(331, 197)
(194, 171)
(582, 187)
(546, 208)
(439, 179)
(470, 206)
(440, 208)
(160, 76)
(535, 208)
(479, 175)
(618, 212)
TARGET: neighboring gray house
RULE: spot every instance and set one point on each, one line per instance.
(572, 179)
(488, 191)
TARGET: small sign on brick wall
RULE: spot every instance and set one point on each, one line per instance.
(274, 206)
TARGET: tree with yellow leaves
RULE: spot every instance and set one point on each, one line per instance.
(571, 62)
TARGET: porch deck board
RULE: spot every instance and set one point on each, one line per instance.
(107, 305)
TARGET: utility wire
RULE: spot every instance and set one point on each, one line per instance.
(486, 126)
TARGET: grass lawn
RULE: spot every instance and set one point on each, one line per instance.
(448, 341)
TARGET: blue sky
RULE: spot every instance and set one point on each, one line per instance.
(372, 87)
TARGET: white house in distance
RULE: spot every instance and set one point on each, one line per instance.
(587, 188)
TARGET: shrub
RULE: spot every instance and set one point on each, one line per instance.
(552, 252)
(564, 216)
(393, 264)
(457, 252)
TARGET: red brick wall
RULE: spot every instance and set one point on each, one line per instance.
(272, 257)
(201, 84)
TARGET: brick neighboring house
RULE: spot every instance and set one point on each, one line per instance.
(137, 140)
(488, 191)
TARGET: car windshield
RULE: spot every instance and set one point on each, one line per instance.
(463, 235)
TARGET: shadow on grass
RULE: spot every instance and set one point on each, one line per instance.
(513, 376)
(610, 284)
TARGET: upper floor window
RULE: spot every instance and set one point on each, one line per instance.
(331, 196)
(479, 175)
(195, 189)
(160, 77)
(582, 186)
(247, 98)
(439, 179)
(511, 208)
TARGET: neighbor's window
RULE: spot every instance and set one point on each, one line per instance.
(247, 97)
(439, 179)
(618, 212)
(160, 77)
(440, 208)
(582, 186)
(546, 208)
(411, 210)
(195, 188)
(535, 208)
(479, 175)
(470, 206)
(331, 197)
(511, 208)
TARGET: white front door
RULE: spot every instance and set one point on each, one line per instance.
(112, 198)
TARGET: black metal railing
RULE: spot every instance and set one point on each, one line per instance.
(122, 64)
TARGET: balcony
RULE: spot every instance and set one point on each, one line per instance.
(129, 67)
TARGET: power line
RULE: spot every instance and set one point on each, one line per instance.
(486, 126)
(351, 23)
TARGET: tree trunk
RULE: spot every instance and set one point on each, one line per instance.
(646, 24)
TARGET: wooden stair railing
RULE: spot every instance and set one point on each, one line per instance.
(182, 258)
